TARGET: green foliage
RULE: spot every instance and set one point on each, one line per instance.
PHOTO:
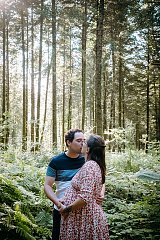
(133, 197)
(25, 212)
(132, 201)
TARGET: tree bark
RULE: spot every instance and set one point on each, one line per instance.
(63, 87)
(7, 86)
(105, 85)
(27, 69)
(24, 140)
(120, 86)
(147, 99)
(46, 95)
(39, 80)
(3, 137)
(54, 91)
(98, 89)
(70, 86)
(158, 114)
(32, 86)
(84, 38)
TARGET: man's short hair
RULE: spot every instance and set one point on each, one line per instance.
(70, 135)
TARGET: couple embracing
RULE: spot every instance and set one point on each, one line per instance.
(79, 177)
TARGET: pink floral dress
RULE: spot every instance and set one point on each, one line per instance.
(90, 222)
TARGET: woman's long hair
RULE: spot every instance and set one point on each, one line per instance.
(96, 152)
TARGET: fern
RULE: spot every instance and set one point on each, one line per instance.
(24, 234)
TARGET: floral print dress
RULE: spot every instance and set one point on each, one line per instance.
(90, 222)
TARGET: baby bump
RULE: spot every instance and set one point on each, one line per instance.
(70, 196)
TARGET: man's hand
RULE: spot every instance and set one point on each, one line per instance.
(64, 211)
(61, 207)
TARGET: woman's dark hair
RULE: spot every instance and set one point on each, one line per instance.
(69, 136)
(96, 152)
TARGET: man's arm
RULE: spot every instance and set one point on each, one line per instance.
(49, 181)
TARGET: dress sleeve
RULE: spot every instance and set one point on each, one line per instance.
(88, 178)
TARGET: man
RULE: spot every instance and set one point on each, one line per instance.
(60, 172)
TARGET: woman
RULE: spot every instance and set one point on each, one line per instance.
(82, 217)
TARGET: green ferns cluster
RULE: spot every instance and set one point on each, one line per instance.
(25, 213)
(132, 201)
(133, 198)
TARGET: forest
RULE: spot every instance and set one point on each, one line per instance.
(93, 65)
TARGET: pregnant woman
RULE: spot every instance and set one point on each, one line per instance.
(82, 217)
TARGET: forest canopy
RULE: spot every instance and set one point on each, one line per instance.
(87, 64)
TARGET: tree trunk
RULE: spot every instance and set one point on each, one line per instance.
(113, 88)
(27, 69)
(84, 38)
(98, 89)
(112, 109)
(32, 86)
(46, 95)
(24, 140)
(3, 137)
(54, 91)
(70, 86)
(105, 85)
(158, 114)
(7, 86)
(123, 106)
(39, 80)
(120, 86)
(137, 131)
(157, 111)
(147, 101)
(63, 87)
(123, 110)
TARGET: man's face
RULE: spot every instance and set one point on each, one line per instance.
(77, 143)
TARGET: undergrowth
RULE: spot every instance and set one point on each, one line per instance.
(132, 202)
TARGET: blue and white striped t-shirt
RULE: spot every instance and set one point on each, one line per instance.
(63, 168)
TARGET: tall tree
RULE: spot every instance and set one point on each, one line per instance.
(98, 89)
(147, 99)
(27, 72)
(70, 83)
(54, 91)
(105, 93)
(24, 138)
(46, 93)
(39, 78)
(158, 112)
(3, 140)
(120, 85)
(32, 83)
(64, 85)
(84, 39)
(7, 130)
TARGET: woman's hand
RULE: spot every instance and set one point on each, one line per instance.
(100, 199)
